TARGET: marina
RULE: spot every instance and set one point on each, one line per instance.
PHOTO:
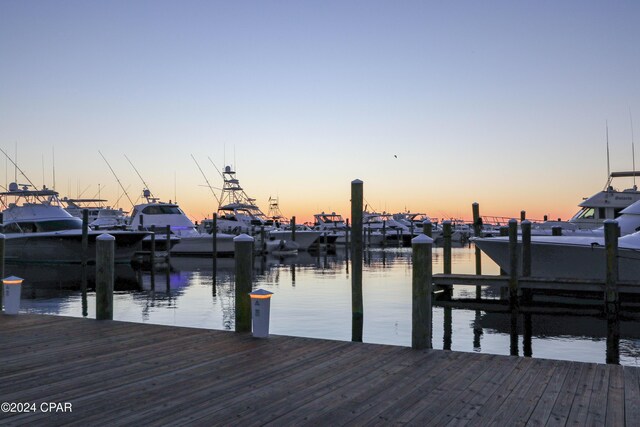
(312, 294)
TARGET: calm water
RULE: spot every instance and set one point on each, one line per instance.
(312, 298)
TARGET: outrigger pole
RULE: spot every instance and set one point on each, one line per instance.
(117, 179)
(206, 180)
(141, 178)
(18, 169)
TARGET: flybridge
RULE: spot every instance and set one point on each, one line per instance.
(15, 190)
(624, 174)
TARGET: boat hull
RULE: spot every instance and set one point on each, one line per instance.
(66, 246)
(203, 245)
(304, 238)
(580, 260)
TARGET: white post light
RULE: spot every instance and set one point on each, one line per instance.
(12, 290)
(260, 308)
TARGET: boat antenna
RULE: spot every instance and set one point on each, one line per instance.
(117, 179)
(206, 180)
(633, 150)
(18, 169)
(608, 164)
(140, 176)
(15, 170)
(53, 161)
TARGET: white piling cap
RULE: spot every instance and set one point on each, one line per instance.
(513, 220)
(426, 221)
(422, 239)
(610, 221)
(12, 280)
(2, 236)
(261, 293)
(356, 181)
(105, 236)
(446, 221)
(526, 221)
(243, 238)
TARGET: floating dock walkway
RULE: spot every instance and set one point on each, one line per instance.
(117, 373)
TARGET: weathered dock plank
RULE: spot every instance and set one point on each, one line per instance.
(631, 396)
(117, 372)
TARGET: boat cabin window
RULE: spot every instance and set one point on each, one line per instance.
(616, 212)
(161, 210)
(256, 222)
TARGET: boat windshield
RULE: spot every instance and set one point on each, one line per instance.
(585, 213)
(161, 210)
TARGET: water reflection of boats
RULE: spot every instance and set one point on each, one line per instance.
(47, 281)
(561, 325)
(175, 279)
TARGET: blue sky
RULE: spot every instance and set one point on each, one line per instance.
(503, 103)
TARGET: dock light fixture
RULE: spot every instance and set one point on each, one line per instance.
(12, 289)
(260, 309)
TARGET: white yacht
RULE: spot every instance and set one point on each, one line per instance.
(392, 232)
(186, 239)
(238, 213)
(100, 215)
(38, 229)
(332, 226)
(603, 205)
(414, 222)
(576, 255)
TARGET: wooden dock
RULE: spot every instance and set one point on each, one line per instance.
(117, 373)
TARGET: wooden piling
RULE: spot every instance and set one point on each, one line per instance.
(556, 230)
(477, 231)
(152, 256)
(611, 232)
(523, 215)
(504, 231)
(427, 228)
(2, 255)
(447, 337)
(513, 331)
(263, 240)
(168, 243)
(526, 247)
(612, 354)
(105, 275)
(83, 261)
(421, 331)
(513, 260)
(293, 228)
(384, 233)
(346, 237)
(214, 247)
(446, 246)
(357, 315)
(243, 247)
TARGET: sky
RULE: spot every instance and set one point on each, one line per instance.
(433, 105)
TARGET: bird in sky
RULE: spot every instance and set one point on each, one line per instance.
(395, 156)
